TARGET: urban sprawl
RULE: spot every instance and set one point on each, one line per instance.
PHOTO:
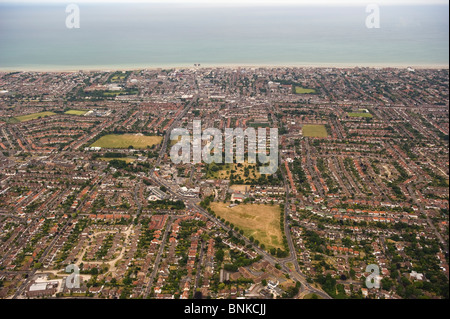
(87, 184)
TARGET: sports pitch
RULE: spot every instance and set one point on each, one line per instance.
(301, 90)
(75, 112)
(314, 131)
(127, 140)
(362, 114)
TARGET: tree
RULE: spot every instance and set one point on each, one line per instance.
(386, 283)
(127, 281)
(352, 273)
(220, 255)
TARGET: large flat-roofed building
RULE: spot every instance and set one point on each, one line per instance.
(156, 194)
(41, 289)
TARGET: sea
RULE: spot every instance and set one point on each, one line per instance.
(134, 36)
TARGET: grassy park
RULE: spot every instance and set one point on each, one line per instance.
(244, 170)
(260, 221)
(33, 116)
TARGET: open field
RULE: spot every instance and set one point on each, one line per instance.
(362, 114)
(126, 140)
(315, 131)
(260, 221)
(301, 90)
(75, 112)
(29, 117)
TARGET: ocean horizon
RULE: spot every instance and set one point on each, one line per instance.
(139, 36)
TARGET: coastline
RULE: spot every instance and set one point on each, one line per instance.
(105, 68)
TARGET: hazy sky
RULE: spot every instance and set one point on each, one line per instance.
(247, 2)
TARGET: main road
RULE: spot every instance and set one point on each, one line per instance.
(173, 126)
